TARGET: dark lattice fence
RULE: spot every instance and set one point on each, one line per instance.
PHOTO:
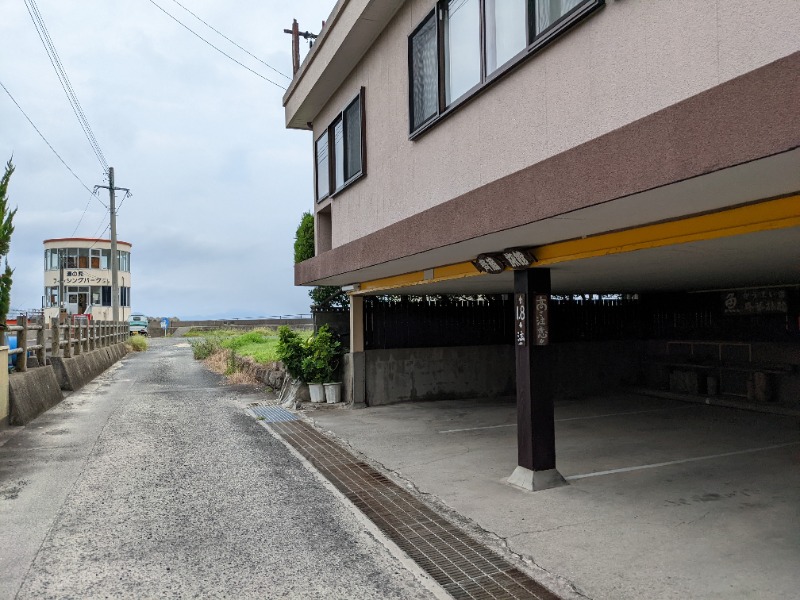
(431, 321)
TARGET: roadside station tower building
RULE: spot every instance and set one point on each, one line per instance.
(85, 285)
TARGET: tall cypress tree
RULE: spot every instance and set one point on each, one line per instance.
(6, 229)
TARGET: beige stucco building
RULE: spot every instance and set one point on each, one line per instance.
(646, 150)
(86, 267)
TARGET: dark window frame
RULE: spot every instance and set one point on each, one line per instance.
(333, 190)
(534, 44)
(440, 59)
(316, 168)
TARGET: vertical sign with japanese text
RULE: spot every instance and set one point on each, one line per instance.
(520, 321)
(541, 321)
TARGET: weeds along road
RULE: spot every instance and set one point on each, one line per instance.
(153, 482)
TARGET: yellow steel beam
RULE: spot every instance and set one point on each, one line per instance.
(763, 216)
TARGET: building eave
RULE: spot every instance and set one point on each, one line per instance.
(352, 27)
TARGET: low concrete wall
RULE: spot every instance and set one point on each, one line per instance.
(31, 393)
(73, 373)
(404, 374)
(401, 375)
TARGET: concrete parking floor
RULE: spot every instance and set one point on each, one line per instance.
(666, 499)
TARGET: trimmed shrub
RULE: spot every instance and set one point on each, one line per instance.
(291, 351)
(304, 238)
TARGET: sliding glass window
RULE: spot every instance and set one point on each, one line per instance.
(549, 11)
(463, 45)
(352, 120)
(506, 31)
(424, 69)
(323, 176)
(337, 130)
(340, 151)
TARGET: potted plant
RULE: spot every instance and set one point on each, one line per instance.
(320, 364)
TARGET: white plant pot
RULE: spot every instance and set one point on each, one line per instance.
(317, 392)
(333, 392)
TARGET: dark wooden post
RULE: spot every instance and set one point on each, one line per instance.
(78, 338)
(536, 443)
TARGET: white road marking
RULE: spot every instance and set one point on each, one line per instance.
(633, 412)
(681, 461)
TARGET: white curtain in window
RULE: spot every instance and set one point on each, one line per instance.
(549, 11)
(338, 151)
(462, 47)
(506, 28)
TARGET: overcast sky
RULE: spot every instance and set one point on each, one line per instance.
(218, 183)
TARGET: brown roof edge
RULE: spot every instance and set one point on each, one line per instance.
(712, 130)
(78, 239)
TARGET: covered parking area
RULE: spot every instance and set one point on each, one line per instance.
(716, 258)
(666, 499)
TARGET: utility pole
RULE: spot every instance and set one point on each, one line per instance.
(296, 35)
(61, 264)
(112, 199)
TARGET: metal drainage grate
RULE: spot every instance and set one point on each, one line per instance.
(461, 565)
(273, 414)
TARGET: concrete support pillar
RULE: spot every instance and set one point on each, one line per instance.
(356, 323)
(536, 447)
(355, 389)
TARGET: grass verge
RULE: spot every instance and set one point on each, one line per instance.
(219, 348)
(260, 344)
(137, 343)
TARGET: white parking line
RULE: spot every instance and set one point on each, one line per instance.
(633, 412)
(678, 462)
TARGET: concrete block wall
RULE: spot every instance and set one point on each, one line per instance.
(73, 373)
(31, 393)
(36, 390)
(408, 374)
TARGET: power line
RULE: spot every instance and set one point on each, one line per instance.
(66, 84)
(200, 37)
(41, 135)
(231, 41)
(85, 208)
(63, 78)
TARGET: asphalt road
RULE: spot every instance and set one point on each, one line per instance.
(153, 482)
